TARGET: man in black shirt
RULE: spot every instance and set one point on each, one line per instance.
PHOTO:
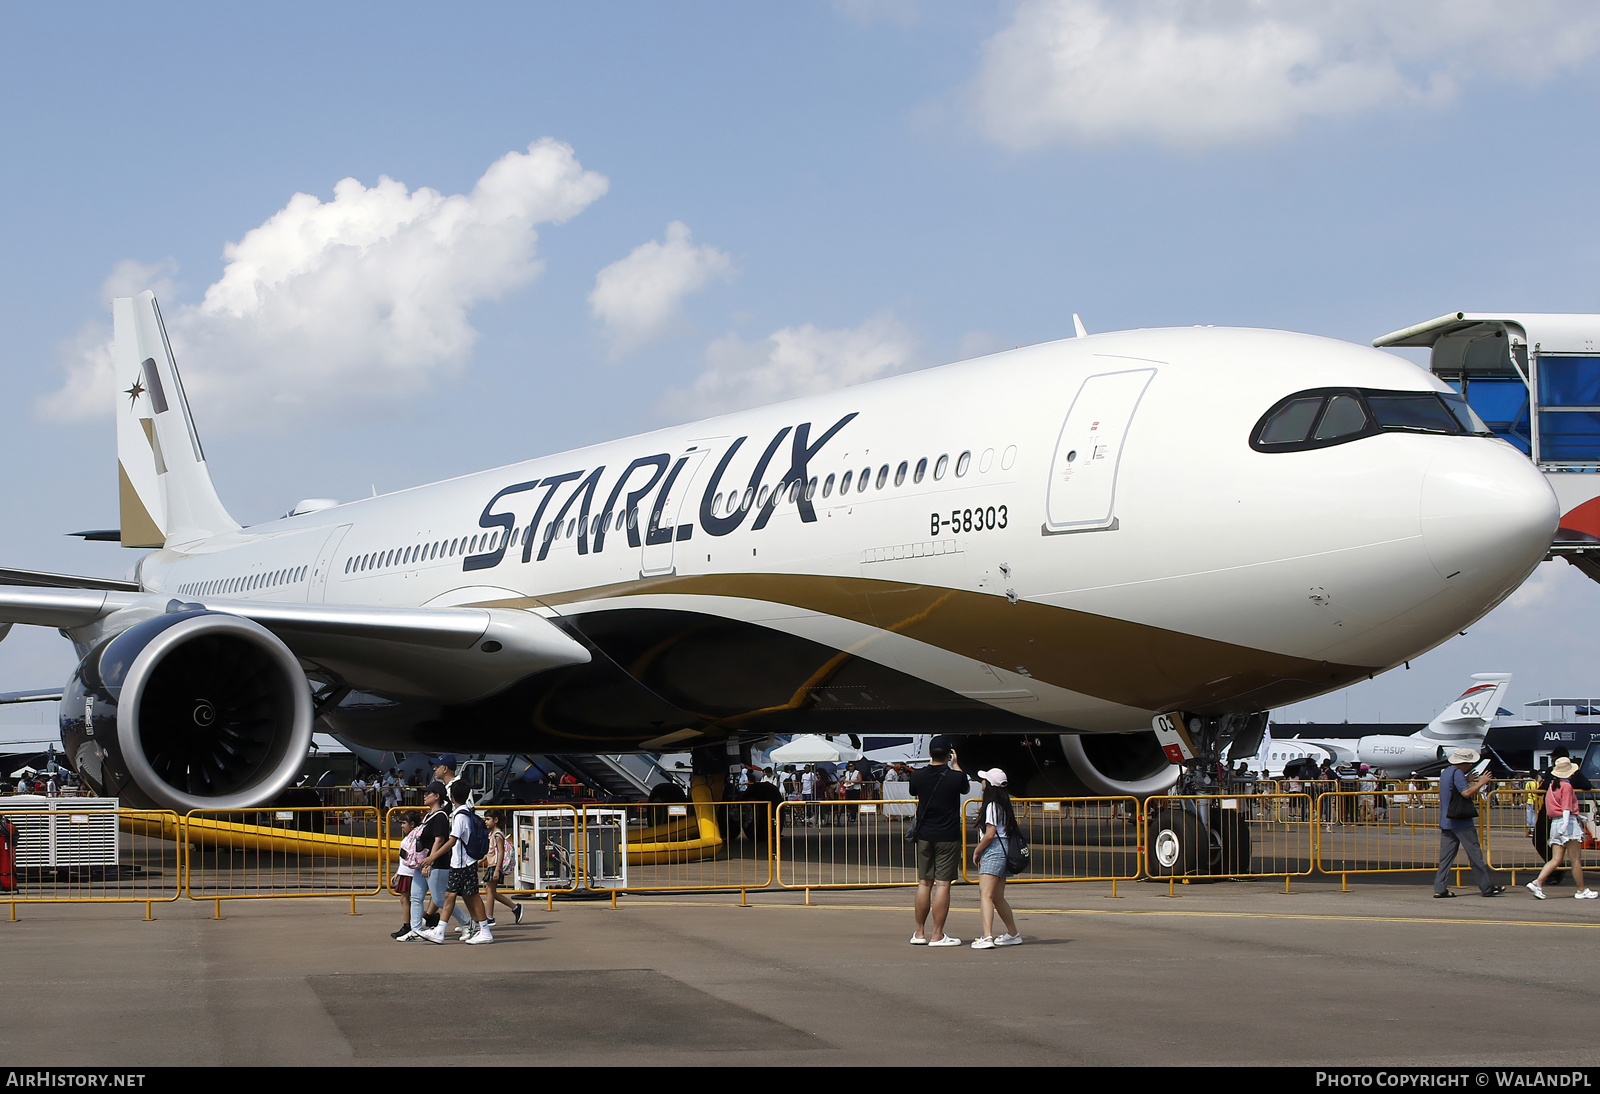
(938, 789)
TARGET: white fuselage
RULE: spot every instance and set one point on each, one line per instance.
(1167, 566)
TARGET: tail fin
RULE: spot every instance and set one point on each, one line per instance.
(1469, 716)
(165, 489)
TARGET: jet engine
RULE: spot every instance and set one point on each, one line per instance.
(1073, 765)
(189, 710)
(1114, 764)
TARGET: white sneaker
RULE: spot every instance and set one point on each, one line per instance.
(481, 937)
(1587, 894)
(1008, 940)
(1536, 889)
(984, 943)
(436, 936)
(467, 931)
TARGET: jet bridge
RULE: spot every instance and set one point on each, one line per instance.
(1534, 379)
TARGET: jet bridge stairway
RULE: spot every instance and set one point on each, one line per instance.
(622, 775)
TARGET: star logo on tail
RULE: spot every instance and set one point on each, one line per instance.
(133, 393)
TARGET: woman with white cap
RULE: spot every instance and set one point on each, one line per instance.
(998, 823)
(1566, 830)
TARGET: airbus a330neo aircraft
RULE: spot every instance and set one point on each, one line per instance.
(1063, 540)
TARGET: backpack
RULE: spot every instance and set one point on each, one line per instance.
(1561, 799)
(477, 842)
(1017, 860)
(409, 853)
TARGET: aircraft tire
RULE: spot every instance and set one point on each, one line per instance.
(1233, 831)
(1179, 844)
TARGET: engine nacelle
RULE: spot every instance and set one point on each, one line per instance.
(189, 710)
(1115, 764)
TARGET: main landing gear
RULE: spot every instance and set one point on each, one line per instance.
(1195, 832)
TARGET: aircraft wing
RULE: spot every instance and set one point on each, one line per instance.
(439, 654)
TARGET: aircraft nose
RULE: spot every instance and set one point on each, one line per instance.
(1487, 516)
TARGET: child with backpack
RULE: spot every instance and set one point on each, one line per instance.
(1566, 831)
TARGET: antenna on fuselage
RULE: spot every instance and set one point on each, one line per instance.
(1077, 325)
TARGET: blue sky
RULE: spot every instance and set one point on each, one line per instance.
(728, 202)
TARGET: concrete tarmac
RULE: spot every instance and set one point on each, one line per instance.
(1222, 974)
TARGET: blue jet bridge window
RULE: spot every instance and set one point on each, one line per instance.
(1330, 416)
(1503, 406)
(1569, 408)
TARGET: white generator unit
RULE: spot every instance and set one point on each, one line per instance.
(551, 844)
(54, 832)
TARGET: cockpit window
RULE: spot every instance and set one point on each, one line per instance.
(1290, 424)
(1342, 418)
(1328, 416)
(1425, 412)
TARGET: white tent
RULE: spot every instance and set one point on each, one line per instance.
(808, 748)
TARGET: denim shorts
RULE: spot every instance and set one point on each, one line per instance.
(994, 859)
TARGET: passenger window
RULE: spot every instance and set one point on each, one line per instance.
(900, 473)
(633, 518)
(1291, 424)
(963, 463)
(621, 519)
(861, 482)
(761, 499)
(1343, 417)
(571, 525)
(844, 483)
(922, 469)
(827, 486)
(794, 491)
(811, 488)
(883, 475)
(986, 461)
(939, 468)
(716, 502)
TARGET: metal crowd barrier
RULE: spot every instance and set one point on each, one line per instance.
(1069, 839)
(1229, 835)
(675, 846)
(280, 852)
(845, 844)
(70, 853)
(1358, 837)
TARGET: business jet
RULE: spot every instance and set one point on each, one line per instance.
(1085, 538)
(1463, 723)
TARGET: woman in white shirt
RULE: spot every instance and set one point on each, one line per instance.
(998, 823)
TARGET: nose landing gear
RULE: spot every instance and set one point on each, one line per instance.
(1197, 831)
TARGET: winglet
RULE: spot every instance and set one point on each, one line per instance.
(1077, 325)
(165, 489)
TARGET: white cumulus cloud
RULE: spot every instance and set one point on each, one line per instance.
(360, 299)
(791, 362)
(1200, 73)
(640, 298)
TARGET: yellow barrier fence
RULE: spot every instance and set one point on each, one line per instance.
(1069, 839)
(845, 844)
(675, 846)
(70, 851)
(1357, 837)
(275, 852)
(1229, 835)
